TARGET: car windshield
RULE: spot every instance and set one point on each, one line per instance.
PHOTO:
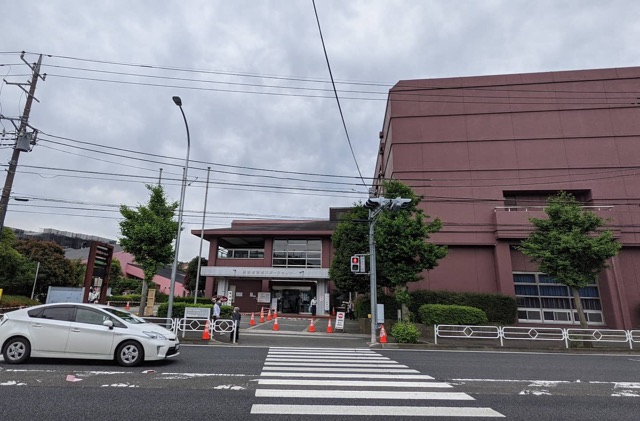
(124, 315)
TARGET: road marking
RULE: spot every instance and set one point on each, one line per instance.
(387, 411)
(352, 364)
(364, 350)
(352, 383)
(349, 375)
(360, 394)
(329, 357)
(343, 370)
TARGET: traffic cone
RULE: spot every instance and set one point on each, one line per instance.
(269, 314)
(383, 335)
(252, 322)
(329, 328)
(312, 327)
(206, 336)
(275, 324)
(127, 307)
(275, 313)
(262, 315)
(333, 311)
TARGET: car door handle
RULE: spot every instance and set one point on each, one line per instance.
(75, 329)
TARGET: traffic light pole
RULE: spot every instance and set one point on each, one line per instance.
(373, 215)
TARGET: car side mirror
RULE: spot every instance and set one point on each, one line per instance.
(108, 323)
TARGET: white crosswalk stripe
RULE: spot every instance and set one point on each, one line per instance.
(339, 375)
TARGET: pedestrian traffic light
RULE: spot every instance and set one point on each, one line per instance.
(355, 264)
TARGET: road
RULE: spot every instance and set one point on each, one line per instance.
(315, 382)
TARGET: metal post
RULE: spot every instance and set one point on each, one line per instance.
(33, 291)
(372, 275)
(174, 268)
(204, 214)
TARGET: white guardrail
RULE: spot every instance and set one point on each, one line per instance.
(507, 333)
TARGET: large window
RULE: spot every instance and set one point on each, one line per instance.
(542, 300)
(224, 253)
(297, 253)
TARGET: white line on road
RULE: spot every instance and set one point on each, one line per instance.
(333, 357)
(350, 375)
(351, 383)
(360, 394)
(342, 370)
(332, 364)
(328, 358)
(362, 350)
(387, 411)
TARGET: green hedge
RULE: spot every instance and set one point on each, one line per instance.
(442, 314)
(12, 301)
(405, 333)
(499, 309)
(178, 309)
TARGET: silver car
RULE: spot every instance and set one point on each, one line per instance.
(86, 331)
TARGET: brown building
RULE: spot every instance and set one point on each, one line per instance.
(486, 153)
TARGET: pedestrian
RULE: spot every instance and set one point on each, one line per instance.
(313, 306)
(235, 316)
(216, 311)
(351, 310)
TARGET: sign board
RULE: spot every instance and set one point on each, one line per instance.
(230, 297)
(274, 303)
(264, 297)
(327, 303)
(340, 320)
(380, 314)
(197, 312)
(64, 295)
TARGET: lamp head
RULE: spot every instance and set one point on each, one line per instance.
(177, 100)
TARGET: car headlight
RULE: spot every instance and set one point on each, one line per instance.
(155, 335)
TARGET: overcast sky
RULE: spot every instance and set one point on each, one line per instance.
(256, 92)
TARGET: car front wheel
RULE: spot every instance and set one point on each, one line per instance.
(16, 350)
(129, 354)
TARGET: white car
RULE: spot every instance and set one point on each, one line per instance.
(86, 331)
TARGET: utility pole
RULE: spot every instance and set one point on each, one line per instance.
(23, 139)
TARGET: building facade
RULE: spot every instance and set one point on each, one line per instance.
(486, 153)
(282, 265)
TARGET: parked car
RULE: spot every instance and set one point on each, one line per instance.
(86, 331)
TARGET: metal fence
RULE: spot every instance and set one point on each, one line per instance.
(509, 333)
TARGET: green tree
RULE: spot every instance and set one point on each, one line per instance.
(78, 270)
(402, 247)
(570, 246)
(118, 283)
(148, 233)
(55, 269)
(192, 272)
(17, 273)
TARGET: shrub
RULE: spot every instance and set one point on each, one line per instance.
(13, 301)
(500, 309)
(405, 332)
(436, 314)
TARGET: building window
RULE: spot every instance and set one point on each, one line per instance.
(297, 253)
(541, 300)
(224, 253)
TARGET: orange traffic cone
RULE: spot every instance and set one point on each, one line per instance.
(275, 324)
(269, 314)
(383, 335)
(275, 313)
(312, 327)
(206, 336)
(127, 307)
(333, 311)
(252, 322)
(262, 315)
(329, 328)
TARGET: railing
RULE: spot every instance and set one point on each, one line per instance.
(507, 333)
(541, 208)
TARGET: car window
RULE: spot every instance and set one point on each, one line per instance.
(87, 315)
(124, 315)
(57, 313)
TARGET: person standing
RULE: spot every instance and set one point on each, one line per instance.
(351, 310)
(236, 316)
(216, 311)
(313, 306)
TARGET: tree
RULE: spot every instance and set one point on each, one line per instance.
(148, 233)
(402, 246)
(55, 269)
(118, 283)
(570, 246)
(17, 273)
(192, 272)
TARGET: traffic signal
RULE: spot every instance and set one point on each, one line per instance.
(355, 264)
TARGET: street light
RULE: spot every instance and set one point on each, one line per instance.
(174, 269)
(376, 205)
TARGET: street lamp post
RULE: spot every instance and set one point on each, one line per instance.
(376, 205)
(174, 269)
